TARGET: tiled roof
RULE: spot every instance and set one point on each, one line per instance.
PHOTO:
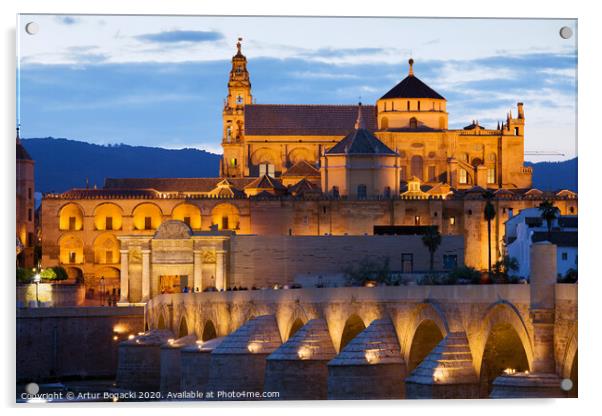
(360, 141)
(266, 182)
(412, 87)
(304, 120)
(304, 186)
(302, 168)
(560, 238)
(173, 184)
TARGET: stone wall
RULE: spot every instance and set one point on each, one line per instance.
(264, 261)
(58, 343)
(58, 295)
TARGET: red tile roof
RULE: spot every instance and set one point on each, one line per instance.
(173, 184)
(304, 120)
(301, 169)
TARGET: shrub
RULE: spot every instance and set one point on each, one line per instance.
(569, 277)
(465, 273)
(54, 273)
(61, 273)
(24, 275)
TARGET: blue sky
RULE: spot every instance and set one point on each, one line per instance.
(161, 81)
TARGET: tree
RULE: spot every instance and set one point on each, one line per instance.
(489, 214)
(549, 213)
(432, 240)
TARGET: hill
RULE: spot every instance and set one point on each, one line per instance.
(551, 176)
(63, 164)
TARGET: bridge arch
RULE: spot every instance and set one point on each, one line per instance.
(569, 365)
(434, 320)
(209, 331)
(183, 328)
(504, 343)
(353, 326)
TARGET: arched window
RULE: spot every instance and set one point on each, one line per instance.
(417, 167)
(413, 123)
(463, 176)
(239, 100)
(384, 123)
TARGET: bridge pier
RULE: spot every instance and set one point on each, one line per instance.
(542, 380)
(447, 372)
(139, 361)
(238, 363)
(298, 369)
(195, 360)
(369, 367)
(171, 363)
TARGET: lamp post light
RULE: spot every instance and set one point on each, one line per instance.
(102, 291)
(36, 279)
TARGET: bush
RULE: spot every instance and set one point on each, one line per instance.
(570, 277)
(54, 273)
(437, 279)
(24, 275)
(465, 273)
(366, 269)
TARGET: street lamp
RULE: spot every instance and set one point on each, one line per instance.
(102, 291)
(36, 279)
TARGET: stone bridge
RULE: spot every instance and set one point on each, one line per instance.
(461, 341)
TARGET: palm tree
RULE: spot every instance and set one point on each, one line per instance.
(489, 214)
(432, 240)
(549, 213)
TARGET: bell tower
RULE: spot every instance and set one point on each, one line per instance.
(239, 95)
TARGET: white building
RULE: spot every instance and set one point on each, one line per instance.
(528, 227)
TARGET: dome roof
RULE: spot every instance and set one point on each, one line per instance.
(412, 87)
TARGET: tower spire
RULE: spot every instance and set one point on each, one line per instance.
(359, 123)
(238, 46)
(411, 71)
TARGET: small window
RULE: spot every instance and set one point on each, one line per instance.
(463, 176)
(408, 106)
(187, 221)
(418, 105)
(335, 193)
(225, 223)
(71, 223)
(30, 214)
(572, 210)
(470, 212)
(239, 100)
(450, 261)
(516, 131)
(565, 256)
(452, 220)
(407, 262)
(29, 193)
(72, 256)
(229, 133)
(417, 220)
(432, 174)
(387, 192)
(233, 162)
(108, 223)
(413, 123)
(361, 192)
(109, 256)
(148, 223)
(29, 241)
(491, 175)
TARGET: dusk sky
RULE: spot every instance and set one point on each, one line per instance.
(161, 81)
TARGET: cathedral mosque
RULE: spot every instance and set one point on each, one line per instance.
(296, 180)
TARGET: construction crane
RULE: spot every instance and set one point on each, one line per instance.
(543, 153)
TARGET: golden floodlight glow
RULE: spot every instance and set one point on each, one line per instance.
(371, 356)
(115, 338)
(438, 375)
(119, 328)
(509, 371)
(253, 347)
(304, 353)
(131, 336)
(170, 341)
